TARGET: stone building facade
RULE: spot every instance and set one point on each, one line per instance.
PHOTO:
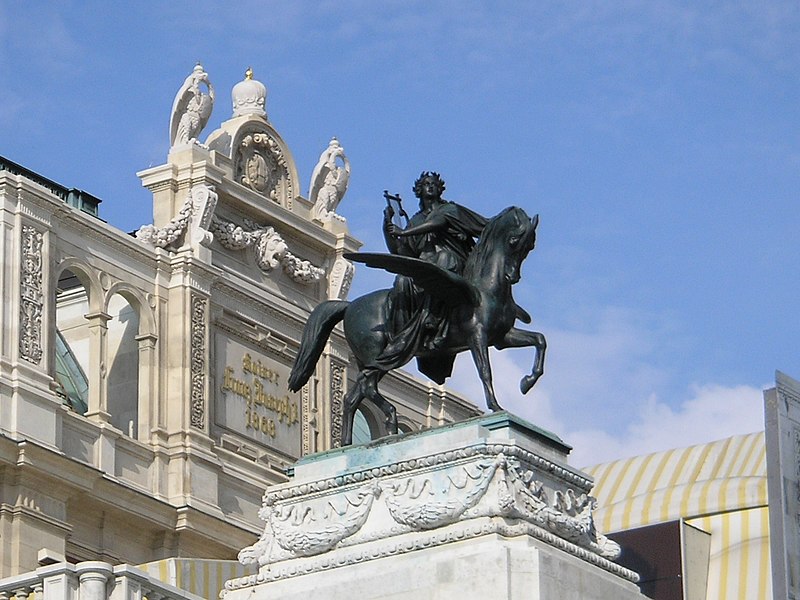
(143, 399)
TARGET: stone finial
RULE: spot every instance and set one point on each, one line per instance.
(249, 97)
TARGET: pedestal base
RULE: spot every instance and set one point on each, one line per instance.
(487, 508)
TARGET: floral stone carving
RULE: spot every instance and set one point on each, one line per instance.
(193, 219)
(270, 248)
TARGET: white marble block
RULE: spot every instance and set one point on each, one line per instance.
(485, 508)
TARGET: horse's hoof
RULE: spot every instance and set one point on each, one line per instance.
(527, 382)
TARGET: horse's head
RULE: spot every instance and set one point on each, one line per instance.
(508, 238)
(518, 240)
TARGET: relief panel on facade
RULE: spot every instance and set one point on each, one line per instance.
(337, 402)
(260, 164)
(31, 300)
(198, 361)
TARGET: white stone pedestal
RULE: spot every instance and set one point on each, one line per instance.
(483, 509)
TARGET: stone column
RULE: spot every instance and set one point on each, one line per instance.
(98, 351)
(94, 576)
(149, 413)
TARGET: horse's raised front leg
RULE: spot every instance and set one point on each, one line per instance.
(519, 338)
(479, 348)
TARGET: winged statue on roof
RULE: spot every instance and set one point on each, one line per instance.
(192, 108)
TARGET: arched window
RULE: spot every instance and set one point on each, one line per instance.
(72, 341)
(123, 358)
(362, 432)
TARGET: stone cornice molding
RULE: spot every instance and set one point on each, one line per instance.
(288, 314)
(432, 461)
(188, 271)
(262, 337)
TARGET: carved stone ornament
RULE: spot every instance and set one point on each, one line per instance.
(31, 300)
(260, 164)
(193, 217)
(337, 403)
(259, 167)
(478, 488)
(270, 248)
(191, 108)
(329, 182)
(249, 97)
(340, 279)
(197, 363)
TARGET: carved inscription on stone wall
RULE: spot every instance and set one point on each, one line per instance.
(198, 361)
(252, 397)
(31, 304)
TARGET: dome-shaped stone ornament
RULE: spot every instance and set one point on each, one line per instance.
(249, 97)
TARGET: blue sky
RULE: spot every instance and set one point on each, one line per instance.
(658, 141)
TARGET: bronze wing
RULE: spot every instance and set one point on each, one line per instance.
(440, 283)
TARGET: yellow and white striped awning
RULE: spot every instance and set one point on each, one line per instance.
(720, 487)
(202, 577)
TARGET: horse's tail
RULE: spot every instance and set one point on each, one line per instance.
(320, 323)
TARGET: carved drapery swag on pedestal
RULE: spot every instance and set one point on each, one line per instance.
(425, 494)
(270, 248)
(197, 368)
(31, 300)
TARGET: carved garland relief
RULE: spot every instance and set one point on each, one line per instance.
(199, 305)
(429, 499)
(271, 250)
(31, 303)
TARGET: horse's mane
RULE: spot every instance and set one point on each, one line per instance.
(490, 237)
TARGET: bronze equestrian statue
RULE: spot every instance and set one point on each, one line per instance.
(451, 294)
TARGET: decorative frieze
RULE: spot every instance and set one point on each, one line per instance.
(199, 309)
(337, 402)
(31, 295)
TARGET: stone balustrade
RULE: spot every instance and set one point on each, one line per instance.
(90, 580)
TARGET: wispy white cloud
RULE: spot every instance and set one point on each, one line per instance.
(710, 413)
